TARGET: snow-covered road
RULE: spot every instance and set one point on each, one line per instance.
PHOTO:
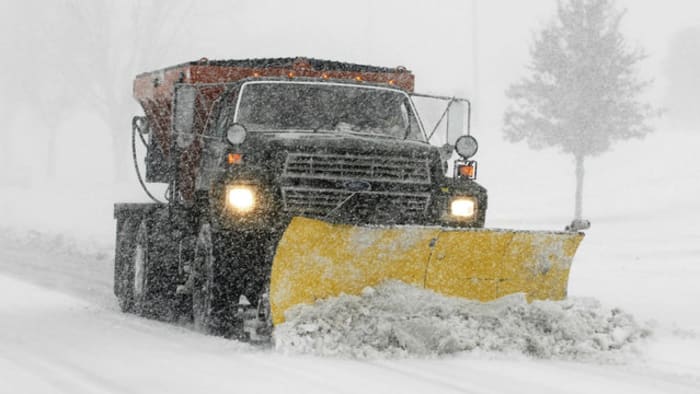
(75, 340)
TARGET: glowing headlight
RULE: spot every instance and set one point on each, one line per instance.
(240, 198)
(463, 207)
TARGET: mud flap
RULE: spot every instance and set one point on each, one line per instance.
(316, 260)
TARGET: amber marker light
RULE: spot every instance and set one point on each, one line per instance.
(358, 78)
(467, 171)
(256, 74)
(234, 158)
(290, 74)
(391, 82)
(324, 76)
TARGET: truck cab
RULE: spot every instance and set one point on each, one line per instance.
(329, 149)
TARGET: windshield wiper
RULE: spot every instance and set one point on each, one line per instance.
(330, 126)
(408, 131)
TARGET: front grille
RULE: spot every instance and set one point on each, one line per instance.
(350, 167)
(303, 200)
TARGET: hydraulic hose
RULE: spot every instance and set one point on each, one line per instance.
(134, 129)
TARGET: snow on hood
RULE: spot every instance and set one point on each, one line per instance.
(398, 320)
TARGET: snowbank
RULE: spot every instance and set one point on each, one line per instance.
(72, 265)
(398, 320)
(56, 243)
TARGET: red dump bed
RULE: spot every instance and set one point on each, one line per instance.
(154, 90)
(159, 84)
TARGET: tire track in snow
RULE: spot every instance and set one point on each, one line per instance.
(63, 374)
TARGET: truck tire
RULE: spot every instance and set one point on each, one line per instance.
(227, 264)
(155, 270)
(203, 282)
(123, 267)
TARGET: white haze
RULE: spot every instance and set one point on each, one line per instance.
(57, 231)
(432, 39)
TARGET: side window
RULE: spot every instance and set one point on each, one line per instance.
(227, 108)
(413, 131)
(215, 144)
(185, 96)
(404, 114)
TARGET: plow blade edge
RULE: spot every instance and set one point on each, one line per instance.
(317, 260)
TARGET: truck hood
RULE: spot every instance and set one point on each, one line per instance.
(339, 143)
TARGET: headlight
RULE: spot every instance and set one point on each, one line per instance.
(241, 198)
(463, 207)
(236, 134)
(466, 146)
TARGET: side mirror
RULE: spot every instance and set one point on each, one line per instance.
(236, 134)
(456, 121)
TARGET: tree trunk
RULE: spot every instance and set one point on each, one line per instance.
(579, 186)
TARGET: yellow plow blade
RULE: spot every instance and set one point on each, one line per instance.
(317, 260)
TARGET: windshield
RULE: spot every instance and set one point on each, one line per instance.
(274, 106)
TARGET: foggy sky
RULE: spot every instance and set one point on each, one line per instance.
(433, 39)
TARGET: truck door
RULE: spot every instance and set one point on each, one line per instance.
(192, 112)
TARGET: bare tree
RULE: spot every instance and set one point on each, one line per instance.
(23, 69)
(34, 39)
(111, 42)
(8, 91)
(582, 92)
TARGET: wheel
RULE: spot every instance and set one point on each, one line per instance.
(226, 266)
(123, 267)
(146, 264)
(203, 282)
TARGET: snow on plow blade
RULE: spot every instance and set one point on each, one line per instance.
(317, 260)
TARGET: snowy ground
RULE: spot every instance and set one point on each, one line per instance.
(60, 330)
(54, 343)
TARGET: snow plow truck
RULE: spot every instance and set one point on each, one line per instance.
(292, 180)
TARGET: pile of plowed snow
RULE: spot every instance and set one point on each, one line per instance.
(398, 320)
